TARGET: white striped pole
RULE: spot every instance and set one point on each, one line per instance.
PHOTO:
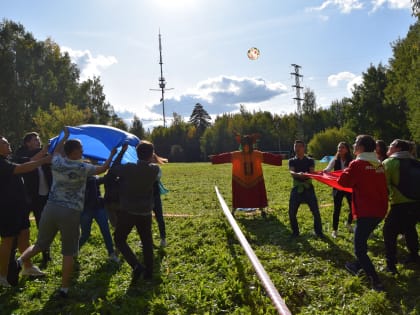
(261, 273)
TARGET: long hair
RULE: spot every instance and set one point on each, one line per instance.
(348, 157)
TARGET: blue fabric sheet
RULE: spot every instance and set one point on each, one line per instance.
(99, 140)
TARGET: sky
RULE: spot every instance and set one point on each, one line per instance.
(205, 45)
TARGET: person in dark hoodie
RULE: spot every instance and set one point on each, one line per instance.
(37, 183)
(136, 182)
(14, 219)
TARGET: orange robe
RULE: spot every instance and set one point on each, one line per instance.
(248, 187)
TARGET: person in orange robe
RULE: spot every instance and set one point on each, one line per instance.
(248, 187)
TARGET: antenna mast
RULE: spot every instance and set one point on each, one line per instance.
(162, 82)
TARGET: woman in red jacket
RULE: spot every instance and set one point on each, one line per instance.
(366, 176)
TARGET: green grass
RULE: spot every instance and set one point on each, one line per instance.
(205, 271)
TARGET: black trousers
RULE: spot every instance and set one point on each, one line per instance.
(402, 219)
(143, 224)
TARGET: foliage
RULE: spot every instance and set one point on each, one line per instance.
(325, 143)
(35, 74)
(50, 122)
(200, 118)
(137, 128)
(204, 270)
(404, 82)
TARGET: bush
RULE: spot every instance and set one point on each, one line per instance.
(325, 142)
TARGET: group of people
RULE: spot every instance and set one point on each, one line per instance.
(375, 177)
(63, 191)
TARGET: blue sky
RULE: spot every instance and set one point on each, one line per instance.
(205, 44)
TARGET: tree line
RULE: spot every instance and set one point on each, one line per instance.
(40, 89)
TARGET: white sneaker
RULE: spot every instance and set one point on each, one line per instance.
(162, 242)
(113, 257)
(32, 271)
(334, 234)
(4, 283)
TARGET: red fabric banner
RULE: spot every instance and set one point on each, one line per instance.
(329, 178)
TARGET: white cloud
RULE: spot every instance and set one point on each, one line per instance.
(89, 65)
(392, 4)
(222, 94)
(351, 79)
(345, 6)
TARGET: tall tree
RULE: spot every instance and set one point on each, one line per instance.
(92, 96)
(309, 102)
(137, 128)
(404, 79)
(200, 118)
(370, 113)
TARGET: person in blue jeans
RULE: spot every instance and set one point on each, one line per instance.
(159, 189)
(94, 209)
(303, 190)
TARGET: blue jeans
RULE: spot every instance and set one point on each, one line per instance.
(364, 227)
(101, 218)
(307, 196)
(159, 214)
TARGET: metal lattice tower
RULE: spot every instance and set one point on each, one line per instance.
(162, 82)
(297, 86)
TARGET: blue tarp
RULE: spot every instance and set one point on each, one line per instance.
(99, 140)
(327, 158)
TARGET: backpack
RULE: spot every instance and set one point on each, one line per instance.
(409, 184)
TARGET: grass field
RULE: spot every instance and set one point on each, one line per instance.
(204, 270)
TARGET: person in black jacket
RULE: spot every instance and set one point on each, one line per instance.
(341, 161)
(14, 219)
(37, 183)
(136, 182)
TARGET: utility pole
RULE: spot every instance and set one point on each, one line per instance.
(298, 99)
(162, 82)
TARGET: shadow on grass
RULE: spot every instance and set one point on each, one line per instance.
(271, 231)
(8, 300)
(95, 294)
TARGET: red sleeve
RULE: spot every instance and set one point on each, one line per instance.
(221, 158)
(348, 178)
(273, 159)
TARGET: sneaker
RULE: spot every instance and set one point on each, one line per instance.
(4, 283)
(349, 228)
(113, 257)
(163, 242)
(353, 268)
(33, 271)
(136, 273)
(334, 234)
(320, 236)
